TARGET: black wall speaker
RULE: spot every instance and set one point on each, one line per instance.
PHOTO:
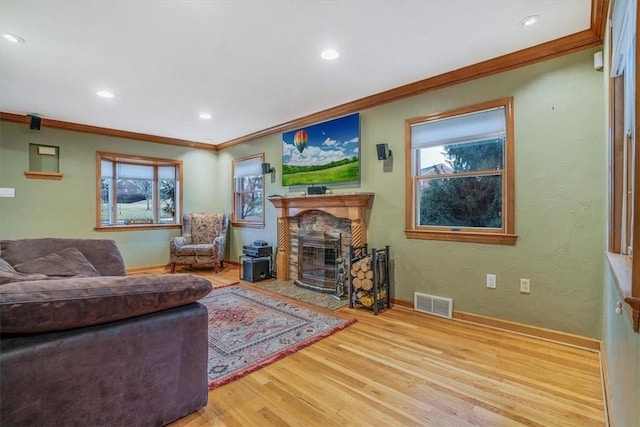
(34, 123)
(383, 151)
(267, 168)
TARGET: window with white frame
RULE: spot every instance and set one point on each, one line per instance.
(137, 191)
(460, 174)
(248, 192)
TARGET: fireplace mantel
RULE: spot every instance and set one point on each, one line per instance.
(351, 206)
(342, 205)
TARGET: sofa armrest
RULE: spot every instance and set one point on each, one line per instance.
(49, 305)
(144, 371)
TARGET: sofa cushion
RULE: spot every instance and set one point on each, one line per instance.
(15, 276)
(48, 305)
(195, 250)
(102, 253)
(5, 266)
(205, 227)
(63, 263)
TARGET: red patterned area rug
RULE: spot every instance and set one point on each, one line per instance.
(248, 330)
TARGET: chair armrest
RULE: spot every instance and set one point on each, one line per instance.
(219, 246)
(176, 242)
(225, 225)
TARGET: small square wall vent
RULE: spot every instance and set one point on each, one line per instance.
(432, 304)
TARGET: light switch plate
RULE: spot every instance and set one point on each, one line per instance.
(7, 192)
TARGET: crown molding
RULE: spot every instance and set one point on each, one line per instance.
(76, 127)
(582, 40)
(564, 46)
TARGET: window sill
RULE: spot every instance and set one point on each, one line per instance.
(137, 227)
(621, 270)
(495, 238)
(43, 175)
(247, 224)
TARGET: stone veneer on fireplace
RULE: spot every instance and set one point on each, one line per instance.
(344, 213)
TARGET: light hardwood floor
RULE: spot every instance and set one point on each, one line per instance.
(403, 368)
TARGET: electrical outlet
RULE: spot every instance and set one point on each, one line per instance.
(491, 281)
(525, 286)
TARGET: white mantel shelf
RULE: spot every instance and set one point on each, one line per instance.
(351, 206)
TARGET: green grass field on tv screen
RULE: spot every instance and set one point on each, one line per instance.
(340, 173)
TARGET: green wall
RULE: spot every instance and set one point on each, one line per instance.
(560, 199)
(66, 208)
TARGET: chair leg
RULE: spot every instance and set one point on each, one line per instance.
(216, 267)
(173, 267)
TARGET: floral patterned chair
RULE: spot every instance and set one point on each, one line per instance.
(203, 240)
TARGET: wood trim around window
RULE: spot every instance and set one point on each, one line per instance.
(504, 236)
(141, 160)
(624, 267)
(234, 220)
(634, 299)
(616, 99)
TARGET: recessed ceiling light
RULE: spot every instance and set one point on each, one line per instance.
(205, 116)
(13, 38)
(104, 94)
(329, 54)
(530, 20)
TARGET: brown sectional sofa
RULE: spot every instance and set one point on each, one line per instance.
(97, 348)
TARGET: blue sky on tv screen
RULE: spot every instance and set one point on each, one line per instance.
(325, 142)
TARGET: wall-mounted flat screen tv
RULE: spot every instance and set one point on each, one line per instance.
(322, 153)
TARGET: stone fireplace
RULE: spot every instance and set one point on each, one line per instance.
(342, 215)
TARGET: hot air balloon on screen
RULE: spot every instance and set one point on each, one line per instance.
(300, 140)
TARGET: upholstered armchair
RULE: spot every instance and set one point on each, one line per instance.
(203, 240)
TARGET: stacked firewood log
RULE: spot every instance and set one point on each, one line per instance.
(362, 274)
(362, 282)
(369, 278)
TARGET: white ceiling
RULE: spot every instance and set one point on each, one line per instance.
(251, 64)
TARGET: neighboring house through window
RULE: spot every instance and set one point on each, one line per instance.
(137, 192)
(248, 192)
(460, 177)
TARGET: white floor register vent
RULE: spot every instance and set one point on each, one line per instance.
(432, 305)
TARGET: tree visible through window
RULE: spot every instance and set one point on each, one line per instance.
(137, 191)
(460, 175)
